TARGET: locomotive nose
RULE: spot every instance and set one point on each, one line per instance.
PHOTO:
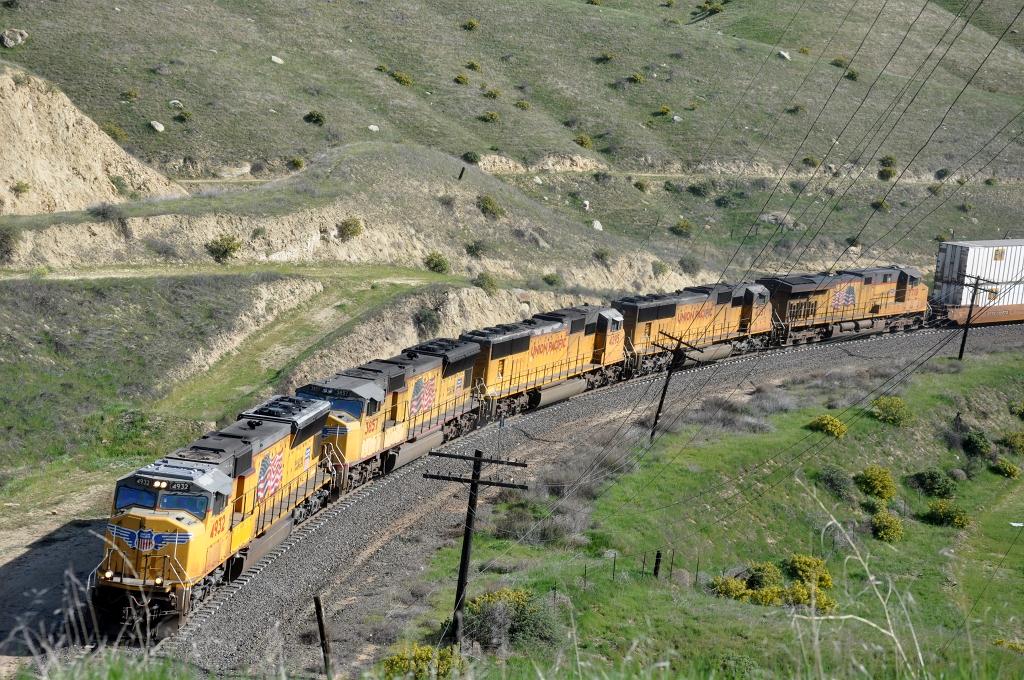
(143, 549)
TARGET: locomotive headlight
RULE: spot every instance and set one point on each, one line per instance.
(108, 574)
(159, 581)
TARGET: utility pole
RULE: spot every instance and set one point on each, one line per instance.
(674, 364)
(967, 324)
(475, 482)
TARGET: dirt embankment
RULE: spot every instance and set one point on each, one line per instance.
(311, 234)
(54, 158)
(396, 327)
(265, 302)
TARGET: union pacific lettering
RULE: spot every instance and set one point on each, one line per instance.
(549, 343)
(691, 312)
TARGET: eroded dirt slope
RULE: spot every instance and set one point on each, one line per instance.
(53, 157)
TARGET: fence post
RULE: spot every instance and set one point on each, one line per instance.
(613, 568)
(643, 566)
(671, 563)
(657, 563)
(584, 575)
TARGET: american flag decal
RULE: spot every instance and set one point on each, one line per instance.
(271, 471)
(423, 393)
(844, 298)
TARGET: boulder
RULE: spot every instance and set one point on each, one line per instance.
(13, 37)
(785, 55)
(276, 59)
(373, 128)
(597, 225)
(176, 104)
(532, 237)
(958, 474)
(156, 125)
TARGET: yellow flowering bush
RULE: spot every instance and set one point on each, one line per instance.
(422, 662)
(829, 425)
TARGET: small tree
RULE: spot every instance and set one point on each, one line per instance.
(552, 279)
(977, 445)
(690, 264)
(935, 482)
(223, 248)
(477, 248)
(603, 255)
(658, 268)
(296, 163)
(471, 157)
(887, 527)
(436, 262)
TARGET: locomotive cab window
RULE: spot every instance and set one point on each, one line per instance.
(999, 254)
(129, 496)
(886, 278)
(192, 503)
(724, 298)
(867, 280)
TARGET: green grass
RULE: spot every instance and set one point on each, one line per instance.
(637, 622)
(229, 83)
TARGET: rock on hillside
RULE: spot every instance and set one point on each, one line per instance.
(52, 157)
(395, 327)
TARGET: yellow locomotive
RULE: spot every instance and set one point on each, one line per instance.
(197, 517)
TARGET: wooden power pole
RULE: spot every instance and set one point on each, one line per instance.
(475, 482)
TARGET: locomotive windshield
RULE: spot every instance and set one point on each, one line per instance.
(191, 503)
(128, 496)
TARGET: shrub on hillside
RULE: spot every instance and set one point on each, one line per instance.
(690, 264)
(427, 321)
(886, 174)
(731, 587)
(423, 662)
(851, 74)
(977, 445)
(642, 185)
(296, 163)
(1017, 409)
(763, 575)
(471, 157)
(801, 593)
(796, 109)
(509, 618)
(887, 527)
(1014, 441)
(402, 78)
(772, 596)
(605, 58)
(487, 282)
(114, 131)
(683, 228)
(490, 116)
(811, 161)
(887, 161)
(946, 513)
(491, 92)
(1005, 468)
(183, 116)
(658, 268)
(470, 25)
(943, 173)
(934, 189)
(935, 482)
(603, 255)
(473, 66)
(880, 205)
(829, 425)
(523, 105)
(105, 212)
(20, 188)
(477, 248)
(223, 248)
(436, 262)
(584, 140)
(636, 77)
(841, 62)
(877, 481)
(892, 410)
(809, 570)
(9, 237)
(349, 228)
(837, 482)
(489, 207)
(552, 279)
(315, 118)
(701, 189)
(461, 79)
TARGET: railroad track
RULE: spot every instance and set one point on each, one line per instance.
(178, 645)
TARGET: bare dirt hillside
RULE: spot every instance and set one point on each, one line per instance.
(53, 157)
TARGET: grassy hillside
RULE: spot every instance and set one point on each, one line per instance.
(215, 57)
(634, 623)
(104, 374)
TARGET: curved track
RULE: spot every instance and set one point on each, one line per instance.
(364, 553)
